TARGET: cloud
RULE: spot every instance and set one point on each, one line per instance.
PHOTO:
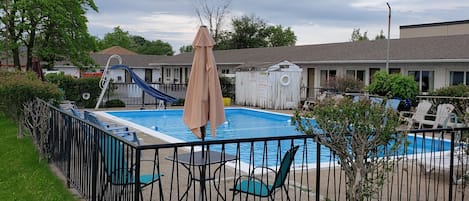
(320, 21)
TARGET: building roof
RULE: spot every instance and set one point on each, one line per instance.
(134, 61)
(117, 50)
(408, 49)
(434, 24)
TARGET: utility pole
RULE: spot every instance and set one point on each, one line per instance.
(389, 31)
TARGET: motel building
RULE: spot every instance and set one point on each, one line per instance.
(435, 54)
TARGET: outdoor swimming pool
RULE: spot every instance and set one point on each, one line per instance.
(243, 123)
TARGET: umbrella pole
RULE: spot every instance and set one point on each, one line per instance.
(202, 173)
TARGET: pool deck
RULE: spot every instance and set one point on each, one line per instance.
(328, 191)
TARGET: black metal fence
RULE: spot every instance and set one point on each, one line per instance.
(102, 166)
(131, 94)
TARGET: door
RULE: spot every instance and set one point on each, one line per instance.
(310, 90)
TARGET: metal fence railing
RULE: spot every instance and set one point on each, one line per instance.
(101, 166)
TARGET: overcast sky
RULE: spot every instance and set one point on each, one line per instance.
(313, 21)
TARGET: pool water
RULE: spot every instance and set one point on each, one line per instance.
(249, 123)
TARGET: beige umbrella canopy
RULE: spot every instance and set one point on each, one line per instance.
(204, 101)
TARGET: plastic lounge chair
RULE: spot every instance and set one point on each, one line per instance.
(256, 187)
(121, 131)
(392, 103)
(418, 116)
(376, 100)
(119, 171)
(442, 117)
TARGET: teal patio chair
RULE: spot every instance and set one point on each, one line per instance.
(256, 187)
(121, 173)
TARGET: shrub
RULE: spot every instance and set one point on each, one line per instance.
(453, 91)
(179, 102)
(18, 88)
(75, 87)
(393, 85)
(349, 84)
(227, 87)
(115, 103)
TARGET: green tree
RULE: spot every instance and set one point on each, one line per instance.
(118, 37)
(380, 36)
(280, 37)
(249, 32)
(362, 140)
(186, 48)
(156, 47)
(253, 32)
(357, 36)
(54, 30)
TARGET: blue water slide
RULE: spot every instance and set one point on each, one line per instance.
(144, 86)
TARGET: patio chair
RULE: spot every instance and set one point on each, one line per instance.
(442, 117)
(121, 173)
(257, 187)
(121, 131)
(393, 104)
(418, 116)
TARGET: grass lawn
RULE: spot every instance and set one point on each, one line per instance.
(22, 175)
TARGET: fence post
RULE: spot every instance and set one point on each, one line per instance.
(451, 167)
(94, 161)
(137, 174)
(318, 168)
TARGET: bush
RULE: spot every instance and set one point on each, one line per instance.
(115, 103)
(453, 91)
(17, 88)
(393, 85)
(349, 84)
(75, 87)
(179, 102)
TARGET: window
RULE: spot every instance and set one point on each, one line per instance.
(424, 79)
(168, 72)
(284, 66)
(148, 75)
(225, 71)
(459, 77)
(372, 73)
(328, 78)
(357, 74)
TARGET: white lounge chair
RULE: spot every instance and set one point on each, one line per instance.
(443, 116)
(418, 116)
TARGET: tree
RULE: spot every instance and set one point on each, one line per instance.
(186, 48)
(212, 13)
(380, 36)
(157, 47)
(118, 37)
(357, 36)
(48, 28)
(280, 37)
(253, 32)
(362, 136)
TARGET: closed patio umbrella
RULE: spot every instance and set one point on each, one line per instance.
(204, 101)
